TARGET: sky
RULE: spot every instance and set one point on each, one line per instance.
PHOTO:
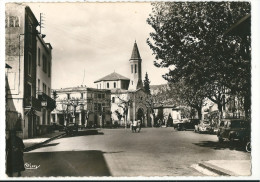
(96, 39)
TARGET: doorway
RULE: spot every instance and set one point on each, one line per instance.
(140, 116)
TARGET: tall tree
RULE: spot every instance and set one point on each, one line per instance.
(188, 39)
(187, 95)
(147, 84)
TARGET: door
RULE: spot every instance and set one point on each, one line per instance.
(140, 116)
(30, 126)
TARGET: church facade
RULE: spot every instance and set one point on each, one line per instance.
(127, 94)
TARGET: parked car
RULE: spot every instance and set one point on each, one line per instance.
(177, 124)
(234, 129)
(190, 124)
(204, 127)
(71, 128)
(57, 126)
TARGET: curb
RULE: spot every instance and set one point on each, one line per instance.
(27, 149)
(217, 170)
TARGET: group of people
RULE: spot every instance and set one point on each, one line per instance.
(135, 125)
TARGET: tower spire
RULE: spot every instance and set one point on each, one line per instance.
(135, 53)
(136, 69)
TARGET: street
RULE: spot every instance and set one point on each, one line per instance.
(119, 152)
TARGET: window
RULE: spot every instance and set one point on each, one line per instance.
(114, 84)
(99, 96)
(30, 35)
(68, 96)
(13, 21)
(29, 89)
(95, 96)
(113, 99)
(95, 106)
(135, 68)
(43, 116)
(39, 85)
(29, 64)
(99, 107)
(49, 91)
(131, 68)
(107, 85)
(6, 21)
(49, 69)
(81, 95)
(100, 86)
(132, 82)
(44, 63)
(39, 56)
(44, 88)
(48, 117)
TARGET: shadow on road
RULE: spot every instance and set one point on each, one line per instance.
(113, 152)
(84, 132)
(67, 163)
(48, 145)
(221, 146)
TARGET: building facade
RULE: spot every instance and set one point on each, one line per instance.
(82, 105)
(21, 54)
(43, 84)
(127, 94)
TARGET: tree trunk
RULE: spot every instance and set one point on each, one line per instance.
(220, 110)
(199, 112)
(247, 105)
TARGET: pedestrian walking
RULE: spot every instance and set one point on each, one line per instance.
(131, 125)
(139, 126)
(134, 126)
(14, 153)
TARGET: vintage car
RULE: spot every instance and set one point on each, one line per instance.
(204, 127)
(234, 129)
(57, 126)
(191, 123)
(177, 124)
(71, 128)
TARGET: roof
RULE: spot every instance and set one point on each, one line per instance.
(80, 89)
(123, 91)
(112, 77)
(135, 53)
(166, 106)
(27, 8)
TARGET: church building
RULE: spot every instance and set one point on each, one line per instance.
(127, 94)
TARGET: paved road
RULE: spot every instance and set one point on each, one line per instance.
(118, 152)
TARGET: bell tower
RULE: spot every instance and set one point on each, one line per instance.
(135, 69)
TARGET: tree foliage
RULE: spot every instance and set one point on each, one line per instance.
(147, 84)
(188, 38)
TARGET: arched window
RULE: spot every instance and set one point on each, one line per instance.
(107, 85)
(113, 99)
(132, 68)
(135, 68)
(114, 84)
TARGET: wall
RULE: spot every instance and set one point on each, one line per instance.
(14, 52)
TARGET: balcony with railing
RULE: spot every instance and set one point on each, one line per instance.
(32, 102)
(46, 101)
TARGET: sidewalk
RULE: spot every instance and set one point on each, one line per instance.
(225, 167)
(33, 143)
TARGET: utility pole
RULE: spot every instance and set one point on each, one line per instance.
(41, 22)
